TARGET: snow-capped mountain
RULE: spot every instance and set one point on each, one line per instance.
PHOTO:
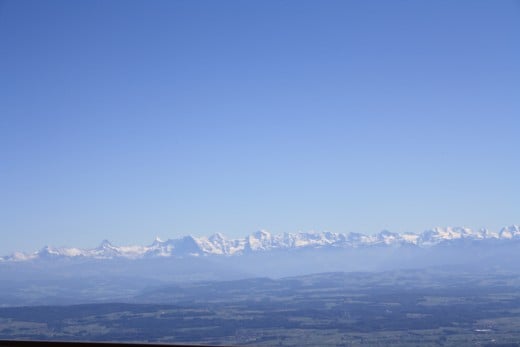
(263, 241)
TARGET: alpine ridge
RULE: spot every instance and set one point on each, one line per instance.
(263, 241)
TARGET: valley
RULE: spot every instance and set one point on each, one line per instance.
(436, 306)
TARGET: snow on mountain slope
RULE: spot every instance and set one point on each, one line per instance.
(510, 232)
(263, 241)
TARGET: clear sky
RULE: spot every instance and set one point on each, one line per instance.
(130, 119)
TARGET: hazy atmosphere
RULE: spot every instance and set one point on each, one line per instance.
(123, 120)
(260, 172)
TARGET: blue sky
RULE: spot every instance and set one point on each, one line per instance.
(130, 119)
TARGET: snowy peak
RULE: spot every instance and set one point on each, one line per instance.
(48, 252)
(259, 241)
(389, 238)
(438, 234)
(263, 241)
(106, 249)
(511, 232)
(105, 244)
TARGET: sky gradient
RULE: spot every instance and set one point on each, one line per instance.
(124, 120)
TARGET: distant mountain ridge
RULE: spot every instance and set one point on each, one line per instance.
(263, 241)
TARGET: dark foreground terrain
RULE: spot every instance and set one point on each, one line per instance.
(434, 307)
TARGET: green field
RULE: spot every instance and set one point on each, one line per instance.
(410, 308)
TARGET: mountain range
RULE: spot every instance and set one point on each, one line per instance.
(263, 241)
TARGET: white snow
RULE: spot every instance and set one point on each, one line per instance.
(262, 240)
